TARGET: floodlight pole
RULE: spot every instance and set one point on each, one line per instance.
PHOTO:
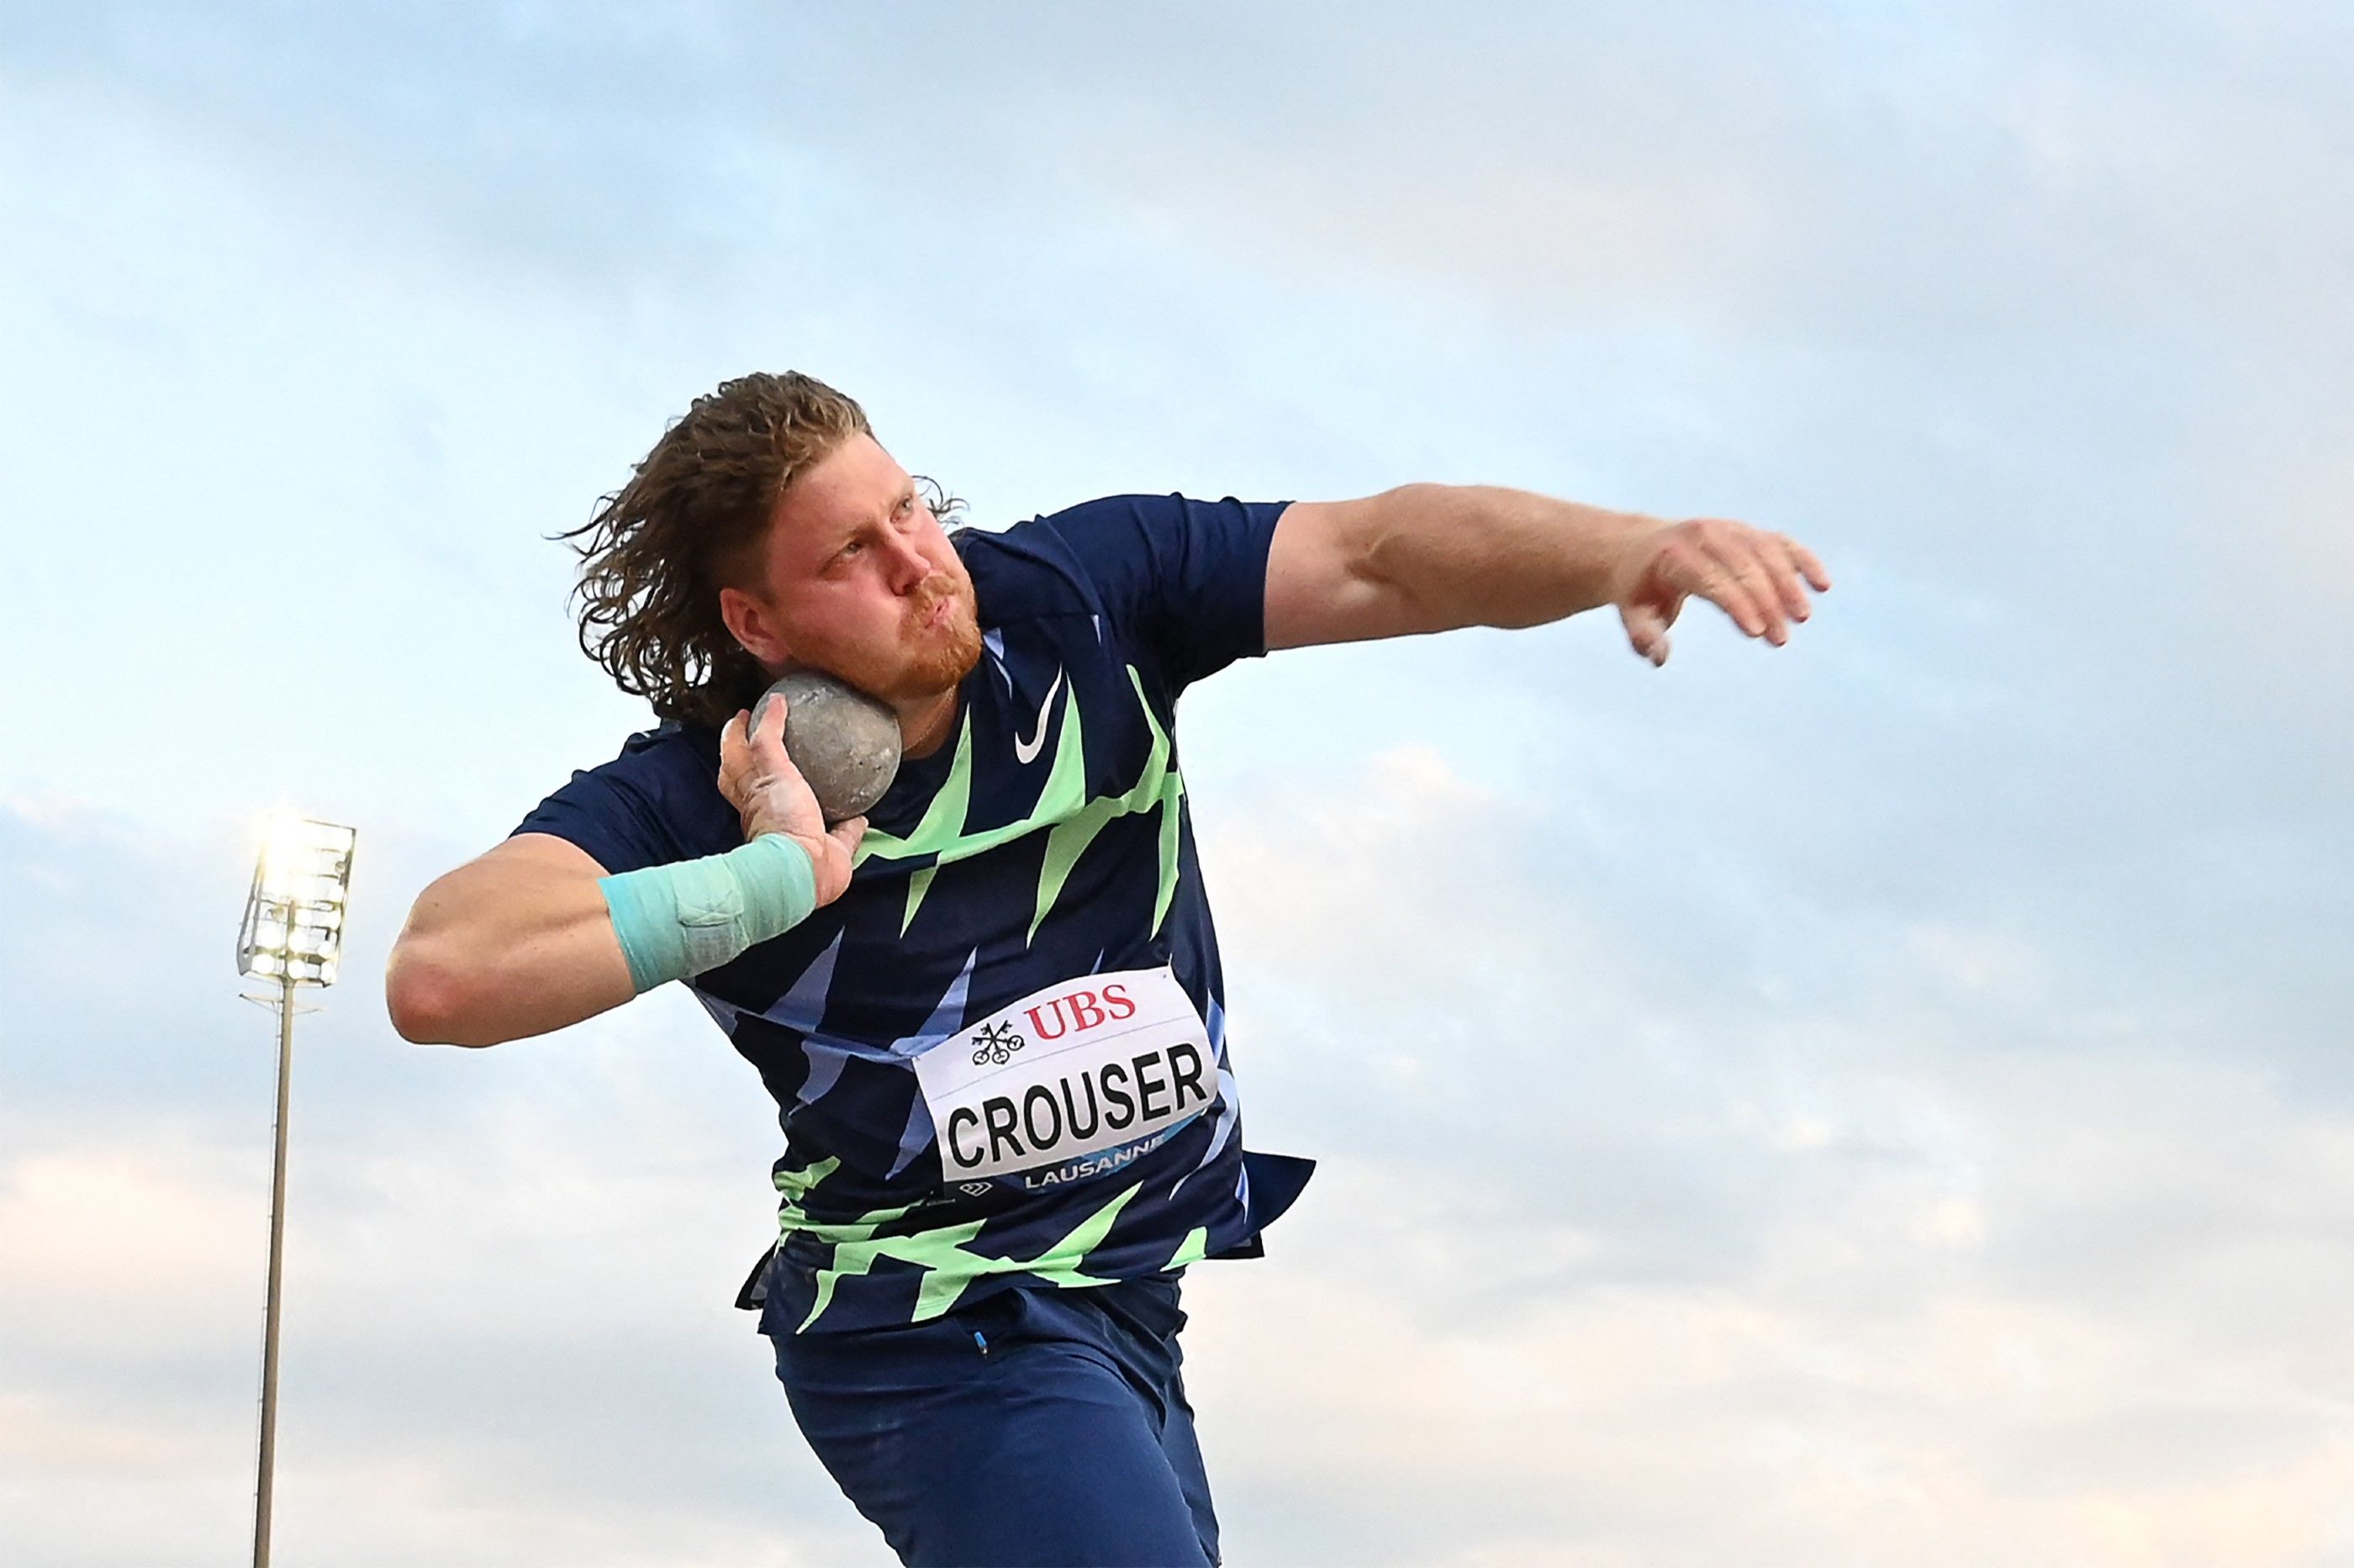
(301, 885)
(276, 1256)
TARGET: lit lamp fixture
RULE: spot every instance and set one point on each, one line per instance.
(294, 930)
(293, 935)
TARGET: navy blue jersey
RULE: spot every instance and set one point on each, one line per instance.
(1030, 887)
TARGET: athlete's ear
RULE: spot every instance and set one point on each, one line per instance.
(755, 625)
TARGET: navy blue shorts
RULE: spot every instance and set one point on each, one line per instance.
(1035, 1426)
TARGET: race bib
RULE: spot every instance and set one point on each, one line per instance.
(1101, 1063)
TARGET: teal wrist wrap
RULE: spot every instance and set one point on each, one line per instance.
(691, 916)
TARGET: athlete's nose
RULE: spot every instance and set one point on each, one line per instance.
(908, 567)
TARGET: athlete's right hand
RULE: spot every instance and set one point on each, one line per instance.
(771, 797)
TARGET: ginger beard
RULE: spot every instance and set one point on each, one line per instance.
(941, 656)
(926, 659)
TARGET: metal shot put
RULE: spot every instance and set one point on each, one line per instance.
(845, 743)
(911, 825)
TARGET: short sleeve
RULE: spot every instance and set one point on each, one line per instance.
(653, 804)
(1186, 579)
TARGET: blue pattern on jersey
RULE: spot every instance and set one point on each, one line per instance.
(1052, 839)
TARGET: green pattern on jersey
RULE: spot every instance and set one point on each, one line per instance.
(917, 885)
(1073, 822)
(949, 1266)
(1193, 1249)
(1073, 819)
(1158, 784)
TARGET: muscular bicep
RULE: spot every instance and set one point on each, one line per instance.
(516, 941)
(1325, 581)
(515, 867)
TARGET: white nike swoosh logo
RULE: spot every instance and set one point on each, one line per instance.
(1026, 752)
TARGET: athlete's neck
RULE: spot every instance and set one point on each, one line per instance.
(924, 725)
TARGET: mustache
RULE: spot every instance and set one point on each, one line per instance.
(928, 594)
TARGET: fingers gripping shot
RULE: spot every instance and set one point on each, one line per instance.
(911, 826)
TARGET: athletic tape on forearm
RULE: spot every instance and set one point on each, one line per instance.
(683, 918)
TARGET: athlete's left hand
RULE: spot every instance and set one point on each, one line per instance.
(1753, 576)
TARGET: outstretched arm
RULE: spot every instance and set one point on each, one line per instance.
(1431, 557)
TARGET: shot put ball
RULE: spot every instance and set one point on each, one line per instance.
(845, 743)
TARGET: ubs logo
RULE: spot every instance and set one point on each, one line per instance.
(998, 1044)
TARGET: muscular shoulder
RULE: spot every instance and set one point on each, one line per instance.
(1025, 571)
(657, 801)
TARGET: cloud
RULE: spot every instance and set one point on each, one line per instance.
(1881, 1102)
(1601, 1228)
(1857, 1263)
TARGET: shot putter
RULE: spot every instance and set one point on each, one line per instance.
(845, 743)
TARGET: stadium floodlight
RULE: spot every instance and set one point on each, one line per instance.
(294, 926)
(293, 935)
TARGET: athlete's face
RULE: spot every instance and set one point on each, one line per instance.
(858, 579)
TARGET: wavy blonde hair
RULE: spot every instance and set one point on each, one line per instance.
(689, 522)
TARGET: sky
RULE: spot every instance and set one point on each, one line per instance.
(1883, 1099)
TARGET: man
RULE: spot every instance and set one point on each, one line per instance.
(991, 1011)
